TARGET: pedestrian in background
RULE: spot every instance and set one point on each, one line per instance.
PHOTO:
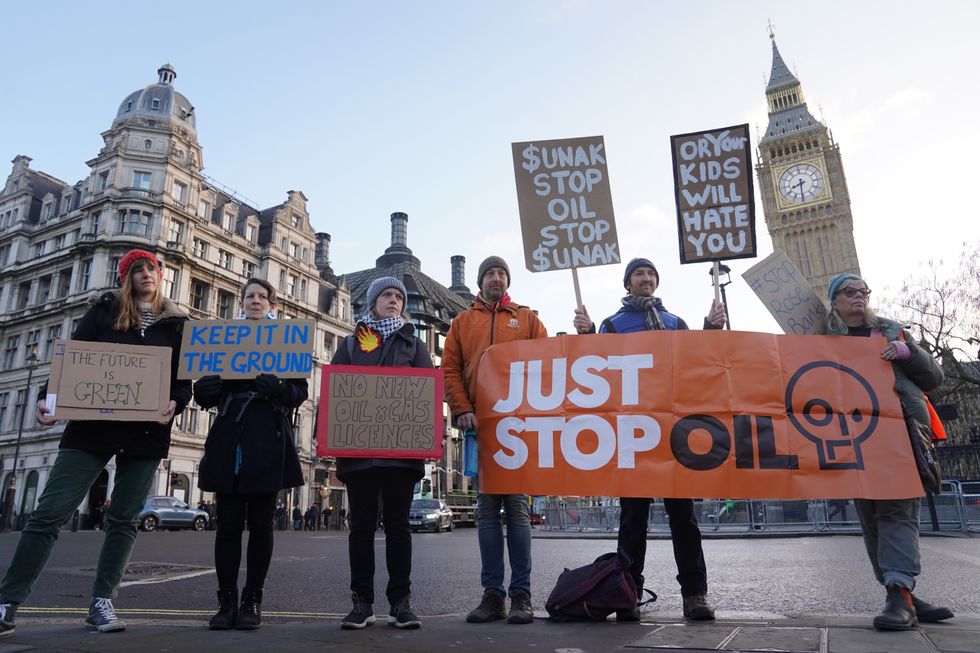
(249, 456)
(890, 526)
(493, 318)
(136, 314)
(641, 310)
(384, 336)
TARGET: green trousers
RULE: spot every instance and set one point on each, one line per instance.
(73, 474)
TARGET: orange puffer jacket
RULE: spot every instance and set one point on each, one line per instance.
(470, 334)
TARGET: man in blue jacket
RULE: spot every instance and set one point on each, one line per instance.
(642, 311)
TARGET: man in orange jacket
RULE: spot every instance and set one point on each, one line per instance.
(493, 318)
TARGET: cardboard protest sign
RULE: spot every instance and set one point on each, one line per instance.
(787, 295)
(565, 203)
(693, 413)
(243, 349)
(108, 381)
(380, 412)
(714, 194)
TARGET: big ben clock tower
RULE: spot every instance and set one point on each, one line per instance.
(801, 179)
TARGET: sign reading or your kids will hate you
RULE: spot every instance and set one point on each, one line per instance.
(565, 203)
(243, 349)
(714, 194)
(693, 413)
(380, 412)
(108, 381)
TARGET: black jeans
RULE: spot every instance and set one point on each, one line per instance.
(394, 485)
(234, 511)
(684, 534)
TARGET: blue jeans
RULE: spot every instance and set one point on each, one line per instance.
(891, 535)
(491, 537)
(72, 475)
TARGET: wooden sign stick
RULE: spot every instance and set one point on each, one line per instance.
(578, 290)
(715, 274)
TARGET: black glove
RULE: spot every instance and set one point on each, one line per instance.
(271, 386)
(207, 389)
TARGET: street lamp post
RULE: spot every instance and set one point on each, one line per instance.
(727, 271)
(32, 362)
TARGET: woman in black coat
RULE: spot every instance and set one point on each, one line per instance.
(382, 337)
(137, 314)
(249, 456)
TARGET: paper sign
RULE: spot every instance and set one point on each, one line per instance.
(565, 203)
(693, 414)
(380, 412)
(108, 381)
(243, 349)
(714, 194)
(787, 295)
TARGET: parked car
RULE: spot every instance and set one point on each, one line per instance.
(172, 513)
(430, 515)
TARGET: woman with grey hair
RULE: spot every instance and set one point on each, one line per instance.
(890, 526)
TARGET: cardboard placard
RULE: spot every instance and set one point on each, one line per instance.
(380, 412)
(243, 349)
(721, 414)
(787, 295)
(108, 381)
(714, 194)
(565, 203)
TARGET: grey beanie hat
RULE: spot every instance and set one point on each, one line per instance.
(492, 262)
(380, 285)
(638, 263)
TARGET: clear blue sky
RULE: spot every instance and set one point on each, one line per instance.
(375, 107)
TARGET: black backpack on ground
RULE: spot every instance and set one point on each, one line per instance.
(593, 592)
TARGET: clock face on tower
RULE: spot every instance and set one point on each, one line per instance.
(801, 183)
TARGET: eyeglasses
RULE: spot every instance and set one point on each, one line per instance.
(851, 292)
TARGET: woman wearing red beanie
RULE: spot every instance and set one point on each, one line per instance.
(136, 314)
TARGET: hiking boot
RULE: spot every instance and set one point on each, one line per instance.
(628, 615)
(401, 615)
(521, 611)
(362, 615)
(898, 613)
(250, 610)
(696, 607)
(7, 612)
(102, 616)
(227, 613)
(491, 608)
(927, 612)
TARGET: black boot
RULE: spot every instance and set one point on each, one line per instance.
(898, 613)
(250, 611)
(929, 613)
(227, 613)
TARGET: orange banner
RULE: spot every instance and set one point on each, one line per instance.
(693, 414)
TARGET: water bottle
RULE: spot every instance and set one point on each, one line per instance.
(471, 458)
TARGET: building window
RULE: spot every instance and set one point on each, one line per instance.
(44, 289)
(96, 222)
(134, 222)
(112, 272)
(155, 103)
(226, 221)
(225, 259)
(103, 180)
(4, 401)
(64, 283)
(23, 294)
(39, 249)
(170, 277)
(248, 269)
(10, 353)
(176, 232)
(86, 273)
(204, 209)
(282, 281)
(59, 242)
(199, 295)
(148, 144)
(141, 179)
(225, 303)
(297, 221)
(19, 407)
(46, 210)
(293, 285)
(294, 250)
(30, 345)
(180, 192)
(200, 248)
(54, 333)
(4, 254)
(250, 233)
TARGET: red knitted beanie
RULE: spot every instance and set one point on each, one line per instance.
(131, 257)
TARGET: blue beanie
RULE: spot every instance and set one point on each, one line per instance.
(380, 285)
(638, 263)
(839, 280)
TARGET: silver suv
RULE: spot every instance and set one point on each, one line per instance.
(172, 513)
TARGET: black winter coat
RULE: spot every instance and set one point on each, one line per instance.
(264, 431)
(145, 439)
(400, 349)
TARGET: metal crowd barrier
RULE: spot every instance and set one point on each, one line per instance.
(956, 508)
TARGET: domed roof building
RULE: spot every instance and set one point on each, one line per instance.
(158, 101)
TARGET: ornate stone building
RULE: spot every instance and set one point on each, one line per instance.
(802, 183)
(59, 248)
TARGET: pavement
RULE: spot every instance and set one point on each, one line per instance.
(46, 629)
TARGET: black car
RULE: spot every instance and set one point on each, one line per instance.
(172, 513)
(430, 515)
